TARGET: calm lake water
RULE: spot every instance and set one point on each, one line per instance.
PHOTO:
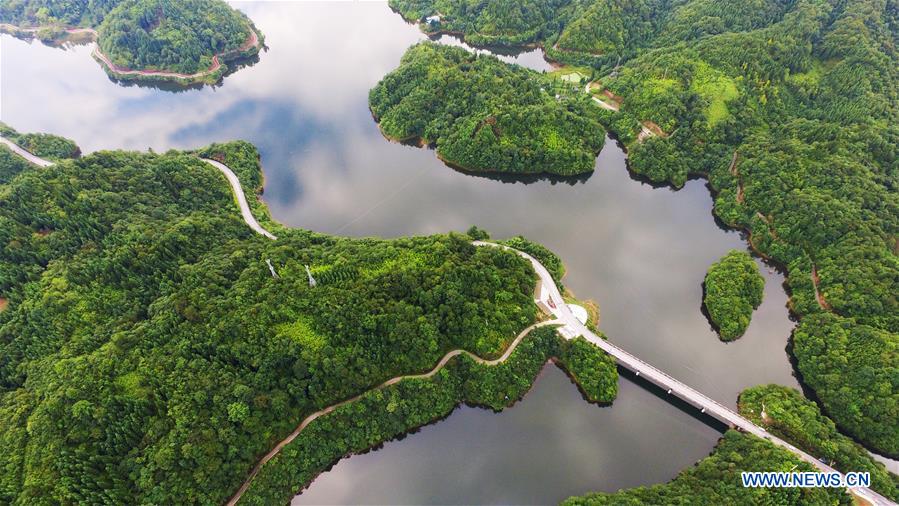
(640, 252)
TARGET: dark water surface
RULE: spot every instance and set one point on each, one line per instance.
(640, 252)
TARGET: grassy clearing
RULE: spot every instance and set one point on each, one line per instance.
(300, 331)
(717, 89)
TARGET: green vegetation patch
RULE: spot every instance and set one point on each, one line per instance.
(497, 22)
(852, 368)
(544, 255)
(592, 369)
(716, 89)
(486, 116)
(177, 36)
(52, 147)
(785, 412)
(733, 290)
(411, 403)
(146, 337)
(716, 480)
(11, 164)
(813, 126)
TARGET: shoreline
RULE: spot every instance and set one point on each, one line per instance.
(445, 359)
(251, 46)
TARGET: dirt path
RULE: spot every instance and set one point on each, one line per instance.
(309, 419)
(822, 302)
(736, 174)
(252, 41)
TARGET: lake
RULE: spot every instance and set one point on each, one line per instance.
(640, 252)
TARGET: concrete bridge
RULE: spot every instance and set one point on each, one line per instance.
(549, 298)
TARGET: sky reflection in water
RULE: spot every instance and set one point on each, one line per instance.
(640, 252)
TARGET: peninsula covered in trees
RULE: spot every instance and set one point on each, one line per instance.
(486, 116)
(185, 37)
(790, 110)
(794, 122)
(785, 412)
(148, 354)
(716, 480)
(733, 290)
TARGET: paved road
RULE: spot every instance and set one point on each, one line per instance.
(570, 329)
(574, 328)
(241, 198)
(236, 188)
(25, 154)
(252, 41)
(443, 361)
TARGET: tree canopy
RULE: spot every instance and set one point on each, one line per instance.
(716, 480)
(785, 412)
(484, 115)
(733, 290)
(790, 110)
(147, 354)
(177, 36)
(52, 147)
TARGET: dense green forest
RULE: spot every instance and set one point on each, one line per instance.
(790, 110)
(52, 147)
(588, 32)
(484, 115)
(794, 124)
(786, 413)
(10, 164)
(148, 355)
(716, 480)
(394, 410)
(592, 370)
(732, 290)
(174, 35)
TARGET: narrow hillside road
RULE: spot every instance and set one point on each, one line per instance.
(25, 154)
(443, 361)
(237, 189)
(252, 41)
(822, 302)
(551, 299)
(574, 328)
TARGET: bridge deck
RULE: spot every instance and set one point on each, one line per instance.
(573, 328)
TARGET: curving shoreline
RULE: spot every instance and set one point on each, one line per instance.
(392, 381)
(251, 44)
(570, 328)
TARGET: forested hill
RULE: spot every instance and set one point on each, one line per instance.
(791, 109)
(173, 35)
(147, 353)
(795, 125)
(486, 116)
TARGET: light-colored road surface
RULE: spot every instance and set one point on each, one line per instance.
(25, 154)
(236, 188)
(252, 41)
(574, 328)
(241, 198)
(570, 328)
(443, 361)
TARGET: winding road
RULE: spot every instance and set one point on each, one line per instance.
(549, 299)
(112, 68)
(237, 189)
(573, 328)
(25, 154)
(309, 419)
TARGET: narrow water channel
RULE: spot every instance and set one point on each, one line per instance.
(640, 252)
